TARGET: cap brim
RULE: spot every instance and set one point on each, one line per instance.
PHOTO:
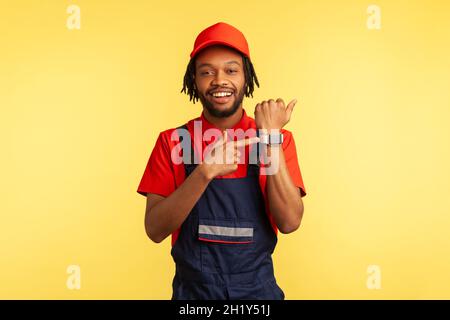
(216, 42)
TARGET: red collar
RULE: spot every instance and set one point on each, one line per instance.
(244, 123)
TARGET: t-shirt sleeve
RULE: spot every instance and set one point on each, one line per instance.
(290, 154)
(158, 177)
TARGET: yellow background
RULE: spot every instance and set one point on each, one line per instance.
(81, 110)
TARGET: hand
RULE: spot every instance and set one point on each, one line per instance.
(224, 156)
(273, 114)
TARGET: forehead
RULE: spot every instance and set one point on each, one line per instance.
(217, 56)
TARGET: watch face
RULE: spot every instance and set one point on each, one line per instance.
(271, 138)
(276, 138)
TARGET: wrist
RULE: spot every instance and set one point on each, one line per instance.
(204, 171)
(269, 128)
(272, 137)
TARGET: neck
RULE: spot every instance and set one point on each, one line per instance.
(224, 123)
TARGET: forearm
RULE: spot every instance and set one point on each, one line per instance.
(285, 203)
(170, 213)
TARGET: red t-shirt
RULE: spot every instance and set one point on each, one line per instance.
(162, 176)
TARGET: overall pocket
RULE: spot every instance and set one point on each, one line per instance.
(227, 246)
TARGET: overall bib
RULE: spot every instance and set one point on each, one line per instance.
(224, 247)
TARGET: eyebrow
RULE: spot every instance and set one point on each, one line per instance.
(210, 65)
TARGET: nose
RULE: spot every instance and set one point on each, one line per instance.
(220, 80)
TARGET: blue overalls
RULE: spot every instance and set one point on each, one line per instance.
(224, 247)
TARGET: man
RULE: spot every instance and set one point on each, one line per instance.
(224, 215)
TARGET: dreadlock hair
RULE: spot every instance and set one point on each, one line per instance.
(189, 79)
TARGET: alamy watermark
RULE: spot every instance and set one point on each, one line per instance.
(222, 146)
(373, 281)
(374, 19)
(73, 281)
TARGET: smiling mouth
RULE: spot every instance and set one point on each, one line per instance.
(221, 97)
(221, 94)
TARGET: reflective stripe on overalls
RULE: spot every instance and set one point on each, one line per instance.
(224, 247)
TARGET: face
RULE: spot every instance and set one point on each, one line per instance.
(220, 80)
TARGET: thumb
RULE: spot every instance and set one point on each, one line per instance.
(290, 107)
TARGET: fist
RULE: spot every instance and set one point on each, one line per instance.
(273, 114)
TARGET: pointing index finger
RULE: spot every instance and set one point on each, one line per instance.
(246, 142)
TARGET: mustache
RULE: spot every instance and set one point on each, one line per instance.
(226, 89)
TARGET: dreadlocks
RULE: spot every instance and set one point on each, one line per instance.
(189, 79)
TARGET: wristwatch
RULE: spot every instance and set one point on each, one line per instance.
(272, 138)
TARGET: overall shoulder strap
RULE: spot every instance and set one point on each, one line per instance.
(183, 133)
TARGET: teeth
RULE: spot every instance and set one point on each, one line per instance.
(221, 94)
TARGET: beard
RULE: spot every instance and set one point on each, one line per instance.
(222, 113)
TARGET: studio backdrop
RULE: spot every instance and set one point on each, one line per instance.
(87, 86)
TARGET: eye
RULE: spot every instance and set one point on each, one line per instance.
(232, 71)
(205, 73)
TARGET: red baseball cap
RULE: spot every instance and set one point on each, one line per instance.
(221, 33)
